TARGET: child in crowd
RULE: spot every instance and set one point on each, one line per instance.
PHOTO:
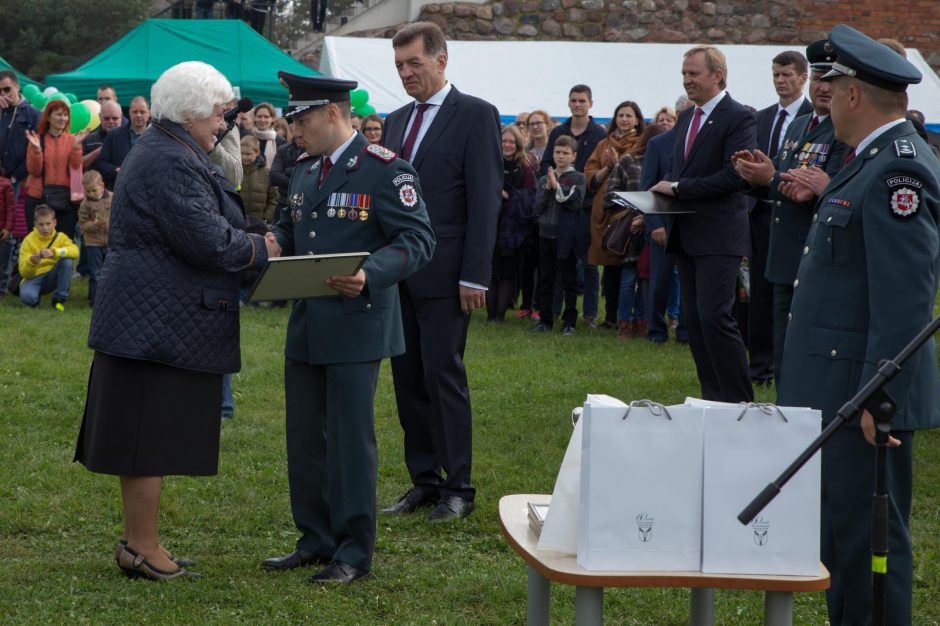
(558, 205)
(94, 216)
(258, 194)
(7, 214)
(46, 261)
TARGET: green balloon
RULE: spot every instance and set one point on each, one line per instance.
(80, 117)
(365, 109)
(58, 96)
(29, 91)
(72, 98)
(39, 101)
(358, 98)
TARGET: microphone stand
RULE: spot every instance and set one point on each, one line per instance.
(882, 407)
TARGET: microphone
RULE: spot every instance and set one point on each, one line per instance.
(244, 105)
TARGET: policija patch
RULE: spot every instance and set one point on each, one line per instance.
(904, 197)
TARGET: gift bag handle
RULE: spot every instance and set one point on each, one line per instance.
(764, 407)
(655, 408)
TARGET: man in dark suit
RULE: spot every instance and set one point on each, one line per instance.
(656, 163)
(710, 242)
(453, 142)
(809, 143)
(790, 73)
(865, 287)
(345, 195)
(120, 141)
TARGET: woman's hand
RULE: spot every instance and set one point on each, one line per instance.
(33, 139)
(274, 248)
(610, 158)
(80, 137)
(636, 225)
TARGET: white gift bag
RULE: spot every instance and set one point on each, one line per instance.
(641, 488)
(745, 449)
(560, 531)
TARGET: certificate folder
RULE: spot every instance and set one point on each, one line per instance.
(648, 202)
(298, 277)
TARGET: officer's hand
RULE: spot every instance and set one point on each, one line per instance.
(868, 429)
(471, 298)
(811, 178)
(274, 248)
(793, 189)
(349, 286)
(658, 235)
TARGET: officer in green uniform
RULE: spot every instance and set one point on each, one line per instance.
(345, 195)
(808, 143)
(866, 285)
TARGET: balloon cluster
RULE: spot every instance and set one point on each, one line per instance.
(359, 99)
(84, 115)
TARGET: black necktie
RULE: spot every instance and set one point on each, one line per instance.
(775, 135)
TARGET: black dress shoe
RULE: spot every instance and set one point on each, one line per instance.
(451, 507)
(297, 558)
(413, 500)
(339, 572)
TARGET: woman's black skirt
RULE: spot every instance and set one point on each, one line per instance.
(148, 419)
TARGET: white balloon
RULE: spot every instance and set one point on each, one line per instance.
(48, 91)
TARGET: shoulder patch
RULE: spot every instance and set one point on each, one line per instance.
(904, 202)
(403, 178)
(905, 149)
(383, 154)
(903, 181)
(408, 196)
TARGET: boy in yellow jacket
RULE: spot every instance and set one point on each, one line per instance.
(46, 260)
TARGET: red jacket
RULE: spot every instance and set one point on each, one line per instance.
(51, 165)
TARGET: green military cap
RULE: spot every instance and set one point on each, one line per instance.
(310, 92)
(820, 55)
(860, 56)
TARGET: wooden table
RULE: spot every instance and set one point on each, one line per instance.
(547, 566)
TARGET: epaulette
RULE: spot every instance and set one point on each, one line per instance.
(905, 149)
(303, 157)
(383, 154)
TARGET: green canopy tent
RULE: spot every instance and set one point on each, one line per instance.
(23, 78)
(134, 62)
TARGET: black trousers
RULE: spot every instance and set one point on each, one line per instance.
(433, 396)
(331, 458)
(760, 324)
(610, 289)
(709, 287)
(551, 266)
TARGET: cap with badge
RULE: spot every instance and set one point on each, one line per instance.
(310, 92)
(820, 55)
(861, 57)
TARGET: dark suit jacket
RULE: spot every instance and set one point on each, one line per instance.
(765, 119)
(709, 185)
(460, 166)
(117, 144)
(656, 162)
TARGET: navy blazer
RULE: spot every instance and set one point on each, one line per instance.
(709, 185)
(656, 163)
(117, 143)
(460, 167)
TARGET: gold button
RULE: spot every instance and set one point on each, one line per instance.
(805, 250)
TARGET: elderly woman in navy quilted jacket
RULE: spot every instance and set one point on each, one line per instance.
(165, 325)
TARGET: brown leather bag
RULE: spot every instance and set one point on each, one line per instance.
(618, 239)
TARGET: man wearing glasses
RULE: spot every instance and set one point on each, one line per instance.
(111, 117)
(16, 117)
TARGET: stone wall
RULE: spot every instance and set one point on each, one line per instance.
(915, 23)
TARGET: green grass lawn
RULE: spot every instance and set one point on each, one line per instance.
(59, 522)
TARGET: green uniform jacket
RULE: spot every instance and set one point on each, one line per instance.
(867, 282)
(790, 221)
(370, 202)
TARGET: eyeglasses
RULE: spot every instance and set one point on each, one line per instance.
(372, 129)
(536, 123)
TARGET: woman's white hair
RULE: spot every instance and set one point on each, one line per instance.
(189, 91)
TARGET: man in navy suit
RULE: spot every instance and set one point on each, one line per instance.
(453, 142)
(710, 242)
(120, 141)
(790, 72)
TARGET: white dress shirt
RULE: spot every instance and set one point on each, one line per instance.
(707, 109)
(792, 111)
(435, 101)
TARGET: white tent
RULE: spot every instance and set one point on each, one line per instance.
(524, 75)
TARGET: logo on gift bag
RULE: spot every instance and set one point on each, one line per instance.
(644, 527)
(761, 528)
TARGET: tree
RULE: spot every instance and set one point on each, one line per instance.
(43, 37)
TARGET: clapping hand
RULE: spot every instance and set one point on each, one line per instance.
(610, 158)
(811, 179)
(551, 181)
(754, 167)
